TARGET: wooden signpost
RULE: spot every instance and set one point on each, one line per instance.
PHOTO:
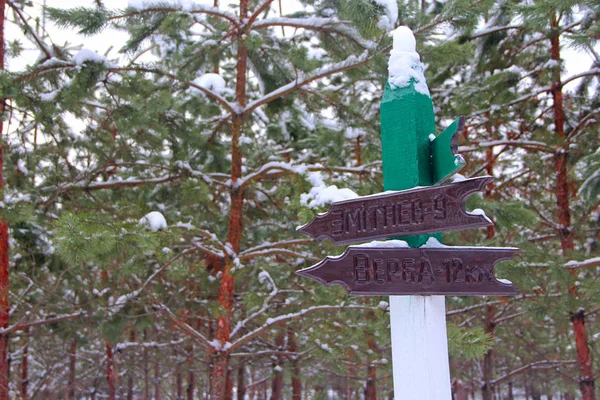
(418, 265)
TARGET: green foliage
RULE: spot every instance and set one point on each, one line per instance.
(97, 238)
(467, 343)
(89, 20)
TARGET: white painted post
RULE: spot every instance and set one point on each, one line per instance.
(420, 348)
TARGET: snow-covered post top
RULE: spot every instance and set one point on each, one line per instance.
(405, 63)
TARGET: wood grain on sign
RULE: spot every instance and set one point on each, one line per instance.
(410, 212)
(415, 271)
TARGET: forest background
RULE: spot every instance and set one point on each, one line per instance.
(232, 121)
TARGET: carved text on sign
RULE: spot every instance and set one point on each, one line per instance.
(415, 211)
(392, 271)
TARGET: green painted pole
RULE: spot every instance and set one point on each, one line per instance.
(409, 143)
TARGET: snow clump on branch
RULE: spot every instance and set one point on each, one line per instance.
(321, 194)
(405, 63)
(154, 221)
(387, 21)
(211, 81)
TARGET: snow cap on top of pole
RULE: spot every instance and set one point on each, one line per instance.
(405, 63)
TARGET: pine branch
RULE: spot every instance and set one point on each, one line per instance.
(271, 252)
(592, 262)
(546, 363)
(277, 245)
(582, 124)
(303, 80)
(261, 7)
(24, 325)
(326, 25)
(527, 144)
(290, 354)
(194, 333)
(289, 317)
(198, 9)
(30, 31)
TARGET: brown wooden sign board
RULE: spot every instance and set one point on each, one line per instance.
(415, 271)
(410, 212)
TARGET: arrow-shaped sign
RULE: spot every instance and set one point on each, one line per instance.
(409, 212)
(424, 271)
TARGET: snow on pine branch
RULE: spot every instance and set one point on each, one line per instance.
(189, 6)
(321, 194)
(304, 79)
(331, 25)
(387, 21)
(592, 262)
(263, 276)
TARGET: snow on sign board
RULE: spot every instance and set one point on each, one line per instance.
(414, 211)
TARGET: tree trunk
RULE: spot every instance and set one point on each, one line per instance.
(219, 371)
(129, 371)
(178, 377)
(72, 369)
(4, 281)
(241, 382)
(110, 373)
(371, 385)
(157, 394)
(586, 376)
(146, 370)
(296, 373)
(24, 366)
(277, 381)
(487, 389)
(191, 377)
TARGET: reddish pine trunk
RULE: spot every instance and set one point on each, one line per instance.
(110, 373)
(4, 282)
(487, 389)
(191, 377)
(296, 373)
(371, 386)
(586, 377)
(218, 376)
(241, 382)
(24, 366)
(277, 382)
(130, 372)
(146, 370)
(72, 369)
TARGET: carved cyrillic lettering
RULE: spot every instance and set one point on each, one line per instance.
(361, 268)
(408, 270)
(440, 206)
(393, 268)
(353, 219)
(470, 276)
(374, 214)
(337, 225)
(417, 211)
(379, 270)
(426, 270)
